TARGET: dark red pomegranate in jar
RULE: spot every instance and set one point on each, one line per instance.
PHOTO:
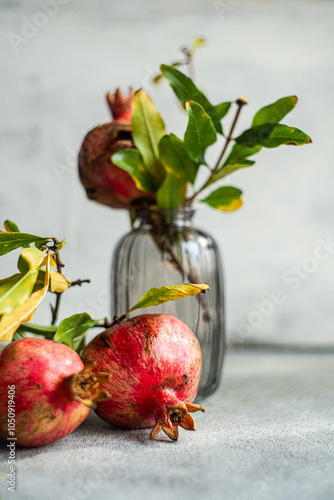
(105, 182)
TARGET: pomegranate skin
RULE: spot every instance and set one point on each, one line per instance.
(105, 182)
(44, 409)
(154, 362)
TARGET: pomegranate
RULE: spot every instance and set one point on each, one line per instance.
(154, 362)
(105, 182)
(45, 391)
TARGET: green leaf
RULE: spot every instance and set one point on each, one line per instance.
(17, 288)
(31, 258)
(17, 336)
(185, 90)
(73, 327)
(40, 330)
(175, 158)
(220, 110)
(20, 334)
(271, 135)
(229, 169)
(11, 241)
(155, 296)
(226, 198)
(157, 78)
(130, 161)
(274, 113)
(200, 133)
(11, 227)
(61, 244)
(171, 193)
(39, 283)
(147, 130)
(79, 344)
(240, 153)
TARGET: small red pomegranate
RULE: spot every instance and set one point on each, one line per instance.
(154, 362)
(105, 182)
(45, 391)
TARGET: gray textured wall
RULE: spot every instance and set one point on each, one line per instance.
(53, 81)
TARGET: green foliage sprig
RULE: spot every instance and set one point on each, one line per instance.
(22, 293)
(168, 165)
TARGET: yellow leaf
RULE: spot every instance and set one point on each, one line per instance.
(229, 208)
(10, 322)
(52, 261)
(155, 296)
(58, 282)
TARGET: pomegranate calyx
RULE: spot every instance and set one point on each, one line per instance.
(121, 105)
(158, 426)
(191, 408)
(177, 414)
(172, 432)
(85, 386)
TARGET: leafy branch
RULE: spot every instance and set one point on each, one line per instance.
(72, 331)
(189, 53)
(240, 103)
(21, 293)
(168, 165)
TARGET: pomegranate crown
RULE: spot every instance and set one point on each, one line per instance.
(121, 105)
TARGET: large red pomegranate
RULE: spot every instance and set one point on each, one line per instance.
(105, 182)
(154, 362)
(45, 391)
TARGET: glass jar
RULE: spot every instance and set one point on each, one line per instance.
(163, 248)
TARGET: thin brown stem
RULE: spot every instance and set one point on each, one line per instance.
(79, 282)
(106, 324)
(167, 244)
(60, 265)
(189, 62)
(190, 275)
(240, 102)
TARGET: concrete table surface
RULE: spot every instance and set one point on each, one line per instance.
(268, 433)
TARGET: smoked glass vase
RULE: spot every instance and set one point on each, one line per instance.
(163, 248)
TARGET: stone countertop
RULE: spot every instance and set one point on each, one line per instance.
(268, 433)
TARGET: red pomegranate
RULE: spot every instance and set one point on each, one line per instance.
(105, 182)
(45, 391)
(154, 362)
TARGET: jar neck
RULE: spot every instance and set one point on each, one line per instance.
(158, 218)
